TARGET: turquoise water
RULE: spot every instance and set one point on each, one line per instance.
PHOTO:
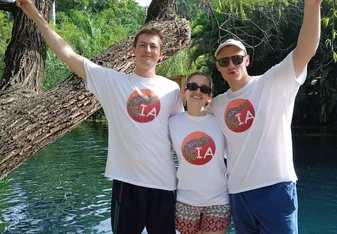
(316, 167)
(63, 190)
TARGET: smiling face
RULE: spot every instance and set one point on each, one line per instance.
(147, 51)
(196, 98)
(235, 75)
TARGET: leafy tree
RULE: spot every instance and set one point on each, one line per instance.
(5, 35)
(269, 30)
(92, 31)
(177, 65)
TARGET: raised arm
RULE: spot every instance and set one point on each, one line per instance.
(62, 50)
(309, 36)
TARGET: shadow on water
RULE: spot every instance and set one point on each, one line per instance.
(62, 189)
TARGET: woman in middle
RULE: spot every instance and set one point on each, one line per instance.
(202, 196)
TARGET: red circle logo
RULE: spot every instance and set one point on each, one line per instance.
(143, 105)
(198, 148)
(239, 115)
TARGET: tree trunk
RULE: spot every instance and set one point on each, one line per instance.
(26, 53)
(160, 10)
(32, 120)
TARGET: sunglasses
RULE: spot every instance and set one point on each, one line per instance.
(236, 60)
(203, 88)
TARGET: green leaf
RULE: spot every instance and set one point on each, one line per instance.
(327, 43)
(334, 55)
(334, 34)
(326, 21)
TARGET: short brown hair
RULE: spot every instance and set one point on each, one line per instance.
(149, 31)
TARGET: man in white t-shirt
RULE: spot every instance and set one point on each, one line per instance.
(255, 115)
(137, 107)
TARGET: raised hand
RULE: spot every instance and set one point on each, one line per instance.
(28, 7)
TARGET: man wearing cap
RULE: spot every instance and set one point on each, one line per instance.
(255, 115)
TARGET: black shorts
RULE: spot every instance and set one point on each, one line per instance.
(134, 207)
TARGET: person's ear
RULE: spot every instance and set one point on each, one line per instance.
(218, 66)
(183, 95)
(247, 60)
(209, 98)
(160, 56)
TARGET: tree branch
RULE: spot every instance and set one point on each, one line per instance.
(31, 121)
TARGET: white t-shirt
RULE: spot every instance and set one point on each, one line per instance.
(200, 147)
(256, 121)
(137, 110)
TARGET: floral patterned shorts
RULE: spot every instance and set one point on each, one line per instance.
(191, 219)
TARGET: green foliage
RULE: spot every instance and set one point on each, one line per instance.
(319, 104)
(329, 21)
(189, 9)
(90, 32)
(270, 30)
(5, 36)
(82, 5)
(321, 97)
(176, 65)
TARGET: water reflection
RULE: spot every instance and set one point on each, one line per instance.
(63, 190)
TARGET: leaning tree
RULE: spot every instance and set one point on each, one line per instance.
(32, 119)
